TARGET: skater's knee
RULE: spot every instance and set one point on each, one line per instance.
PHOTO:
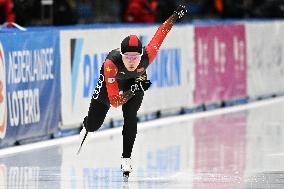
(92, 124)
(130, 118)
(129, 130)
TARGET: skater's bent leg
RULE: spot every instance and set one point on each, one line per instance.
(130, 123)
(96, 116)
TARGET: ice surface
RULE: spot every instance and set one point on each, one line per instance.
(236, 150)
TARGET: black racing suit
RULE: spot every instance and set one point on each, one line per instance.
(113, 88)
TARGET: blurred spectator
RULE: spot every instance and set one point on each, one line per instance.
(219, 6)
(85, 12)
(165, 9)
(250, 8)
(209, 9)
(6, 11)
(202, 9)
(26, 11)
(101, 11)
(64, 12)
(268, 9)
(123, 6)
(139, 11)
(230, 8)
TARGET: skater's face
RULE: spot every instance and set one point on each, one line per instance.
(131, 60)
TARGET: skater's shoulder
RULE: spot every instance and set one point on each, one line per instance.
(114, 52)
(114, 55)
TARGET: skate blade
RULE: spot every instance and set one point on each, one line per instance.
(125, 176)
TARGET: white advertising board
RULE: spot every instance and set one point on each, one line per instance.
(265, 58)
(84, 51)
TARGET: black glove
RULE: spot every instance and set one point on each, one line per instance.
(180, 11)
(140, 86)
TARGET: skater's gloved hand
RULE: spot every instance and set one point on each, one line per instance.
(140, 86)
(180, 11)
(141, 78)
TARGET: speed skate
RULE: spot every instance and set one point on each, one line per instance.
(126, 168)
(125, 176)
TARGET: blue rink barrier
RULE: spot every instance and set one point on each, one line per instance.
(32, 78)
(233, 102)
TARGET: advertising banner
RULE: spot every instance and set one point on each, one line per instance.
(220, 59)
(84, 51)
(265, 58)
(29, 85)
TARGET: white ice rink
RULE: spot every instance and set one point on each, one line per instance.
(236, 148)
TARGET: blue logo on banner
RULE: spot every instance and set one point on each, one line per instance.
(91, 68)
(76, 51)
(92, 65)
(165, 71)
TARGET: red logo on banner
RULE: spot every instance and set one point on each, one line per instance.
(1, 93)
(220, 59)
(3, 107)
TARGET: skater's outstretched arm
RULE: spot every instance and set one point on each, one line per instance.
(153, 46)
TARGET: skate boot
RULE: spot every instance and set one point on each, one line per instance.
(126, 168)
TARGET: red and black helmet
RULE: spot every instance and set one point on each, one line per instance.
(131, 44)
